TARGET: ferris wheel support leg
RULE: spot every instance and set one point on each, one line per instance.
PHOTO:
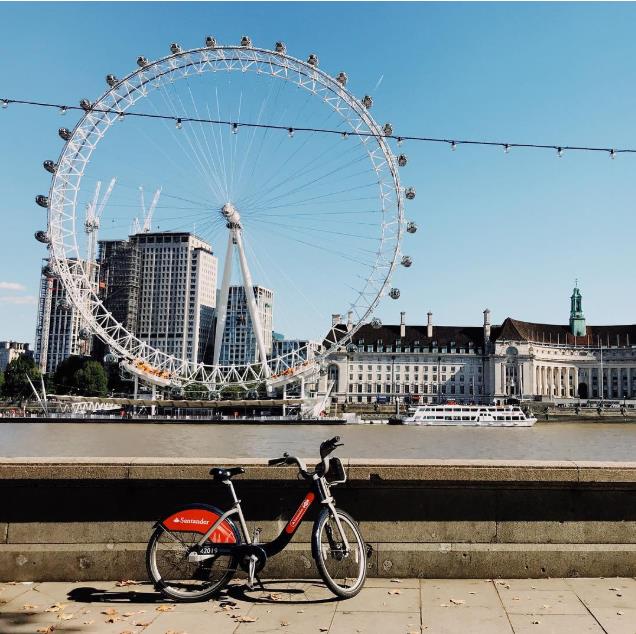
(302, 387)
(251, 302)
(222, 303)
(153, 409)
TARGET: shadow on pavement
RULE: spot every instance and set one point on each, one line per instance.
(95, 595)
(279, 591)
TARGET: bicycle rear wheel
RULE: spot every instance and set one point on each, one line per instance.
(343, 570)
(170, 544)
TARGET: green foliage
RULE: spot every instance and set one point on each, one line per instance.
(81, 375)
(16, 384)
(196, 392)
(1, 381)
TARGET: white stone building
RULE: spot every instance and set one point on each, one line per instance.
(10, 350)
(238, 346)
(517, 359)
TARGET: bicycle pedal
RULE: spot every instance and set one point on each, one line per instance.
(257, 536)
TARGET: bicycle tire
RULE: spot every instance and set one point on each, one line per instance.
(176, 588)
(323, 558)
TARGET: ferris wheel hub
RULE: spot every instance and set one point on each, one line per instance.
(231, 214)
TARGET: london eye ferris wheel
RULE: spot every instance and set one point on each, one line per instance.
(267, 159)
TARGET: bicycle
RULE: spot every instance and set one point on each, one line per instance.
(194, 553)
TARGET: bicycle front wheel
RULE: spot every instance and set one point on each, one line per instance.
(342, 568)
(167, 555)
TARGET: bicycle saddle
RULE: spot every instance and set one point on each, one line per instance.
(225, 473)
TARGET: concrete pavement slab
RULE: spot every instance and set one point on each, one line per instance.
(10, 591)
(616, 621)
(383, 600)
(555, 624)
(606, 593)
(541, 602)
(290, 619)
(349, 622)
(195, 622)
(437, 593)
(456, 620)
(517, 585)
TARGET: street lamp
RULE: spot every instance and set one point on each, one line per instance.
(439, 380)
(393, 376)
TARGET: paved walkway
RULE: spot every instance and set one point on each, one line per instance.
(302, 607)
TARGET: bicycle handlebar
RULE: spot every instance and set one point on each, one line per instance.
(326, 448)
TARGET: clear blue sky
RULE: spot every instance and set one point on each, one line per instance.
(506, 232)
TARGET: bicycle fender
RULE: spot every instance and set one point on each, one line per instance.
(199, 518)
(314, 532)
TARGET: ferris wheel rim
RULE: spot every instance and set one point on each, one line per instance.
(127, 346)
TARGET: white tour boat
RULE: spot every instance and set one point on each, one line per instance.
(478, 415)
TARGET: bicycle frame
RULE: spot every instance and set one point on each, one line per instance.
(320, 488)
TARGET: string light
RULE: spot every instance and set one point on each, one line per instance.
(121, 116)
(290, 131)
(179, 124)
(387, 130)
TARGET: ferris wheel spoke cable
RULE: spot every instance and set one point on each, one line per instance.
(207, 172)
(234, 153)
(266, 204)
(318, 230)
(209, 156)
(306, 167)
(218, 111)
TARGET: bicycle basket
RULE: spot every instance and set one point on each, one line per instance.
(336, 472)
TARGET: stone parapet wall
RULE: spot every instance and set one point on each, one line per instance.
(73, 518)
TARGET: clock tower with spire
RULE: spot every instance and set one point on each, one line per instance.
(577, 318)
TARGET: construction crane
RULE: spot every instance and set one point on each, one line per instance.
(94, 210)
(147, 213)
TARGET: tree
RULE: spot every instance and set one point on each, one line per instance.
(1, 381)
(16, 377)
(81, 375)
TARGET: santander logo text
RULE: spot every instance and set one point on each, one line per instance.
(189, 520)
(298, 515)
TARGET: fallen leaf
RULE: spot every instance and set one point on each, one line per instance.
(613, 589)
(536, 622)
(127, 582)
(110, 612)
(545, 606)
(141, 624)
(89, 622)
(457, 601)
(65, 617)
(300, 611)
(112, 619)
(323, 629)
(618, 594)
(516, 598)
(284, 623)
(46, 630)
(126, 632)
(164, 608)
(396, 580)
(56, 607)
(394, 592)
(472, 593)
(29, 606)
(275, 596)
(620, 613)
(244, 619)
(444, 605)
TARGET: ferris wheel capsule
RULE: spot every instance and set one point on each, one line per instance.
(409, 192)
(85, 104)
(63, 304)
(42, 236)
(50, 166)
(387, 129)
(41, 200)
(84, 334)
(65, 133)
(142, 62)
(411, 227)
(280, 47)
(246, 41)
(175, 48)
(111, 80)
(352, 347)
(406, 261)
(342, 78)
(312, 60)
(376, 323)
(210, 41)
(394, 293)
(402, 160)
(47, 271)
(367, 102)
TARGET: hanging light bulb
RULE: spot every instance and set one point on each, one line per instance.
(400, 141)
(559, 152)
(63, 110)
(121, 116)
(235, 128)
(179, 124)
(506, 148)
(453, 146)
(290, 131)
(612, 154)
(345, 135)
(5, 103)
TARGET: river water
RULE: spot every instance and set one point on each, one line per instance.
(544, 441)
